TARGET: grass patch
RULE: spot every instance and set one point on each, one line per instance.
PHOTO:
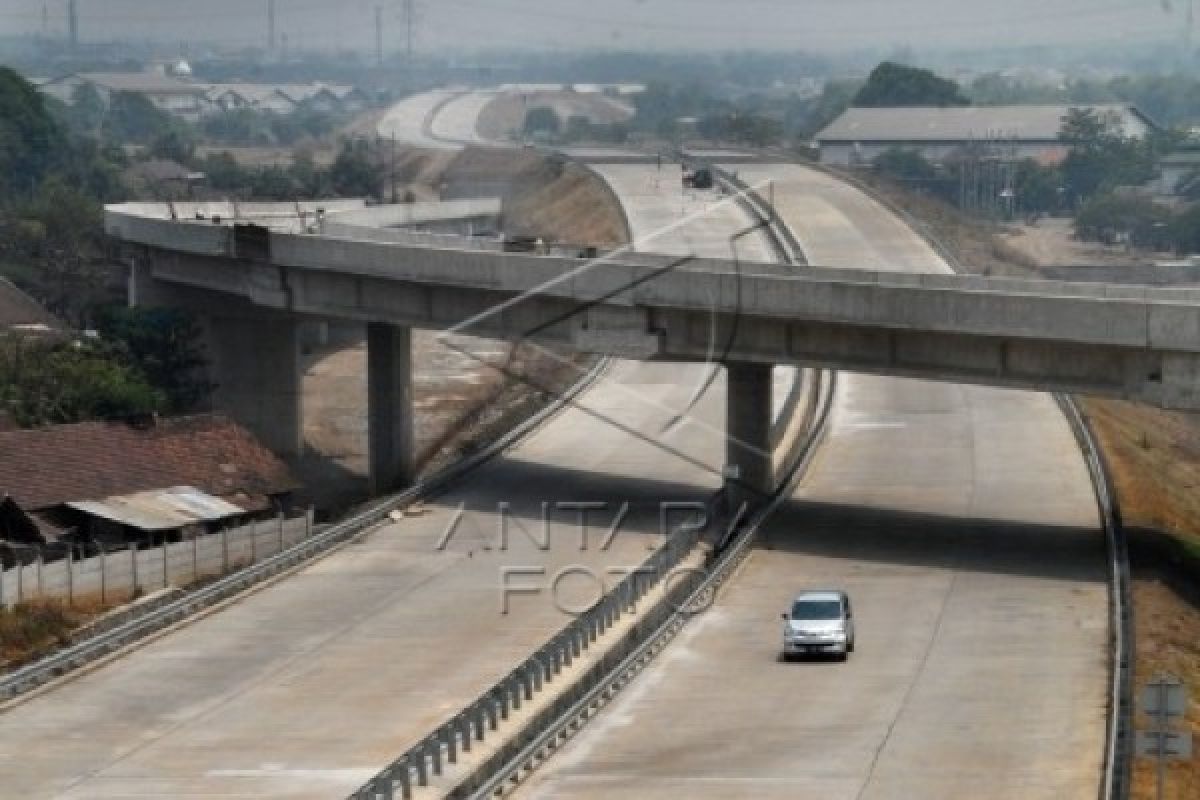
(29, 630)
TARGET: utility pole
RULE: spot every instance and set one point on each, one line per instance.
(410, 22)
(379, 36)
(271, 26)
(73, 24)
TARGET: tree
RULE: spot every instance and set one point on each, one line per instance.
(893, 84)
(59, 232)
(1101, 158)
(133, 118)
(542, 121)
(62, 382)
(354, 172)
(1036, 187)
(86, 112)
(1111, 218)
(163, 345)
(29, 136)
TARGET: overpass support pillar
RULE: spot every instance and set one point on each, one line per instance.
(389, 407)
(255, 364)
(749, 475)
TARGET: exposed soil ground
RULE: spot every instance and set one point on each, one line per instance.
(467, 391)
(1154, 457)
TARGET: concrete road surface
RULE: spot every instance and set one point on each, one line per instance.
(963, 525)
(311, 685)
(410, 121)
(458, 120)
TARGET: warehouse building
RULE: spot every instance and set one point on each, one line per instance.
(860, 135)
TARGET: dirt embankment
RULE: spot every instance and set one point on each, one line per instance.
(1154, 456)
(564, 202)
(467, 391)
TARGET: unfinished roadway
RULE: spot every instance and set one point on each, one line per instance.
(308, 686)
(962, 522)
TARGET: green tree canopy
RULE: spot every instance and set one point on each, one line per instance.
(55, 383)
(893, 84)
(542, 120)
(29, 136)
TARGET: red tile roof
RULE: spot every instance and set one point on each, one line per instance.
(46, 467)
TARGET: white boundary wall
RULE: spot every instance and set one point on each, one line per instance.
(119, 574)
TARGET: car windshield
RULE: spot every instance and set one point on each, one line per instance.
(816, 609)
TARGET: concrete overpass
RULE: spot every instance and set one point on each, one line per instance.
(1141, 343)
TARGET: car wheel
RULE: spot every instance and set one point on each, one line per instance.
(850, 647)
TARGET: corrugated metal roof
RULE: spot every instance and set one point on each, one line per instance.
(160, 509)
(929, 124)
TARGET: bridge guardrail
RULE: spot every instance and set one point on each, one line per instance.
(155, 619)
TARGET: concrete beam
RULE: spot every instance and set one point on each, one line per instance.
(255, 364)
(389, 407)
(750, 476)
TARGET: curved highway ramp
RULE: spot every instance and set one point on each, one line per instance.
(308, 686)
(962, 522)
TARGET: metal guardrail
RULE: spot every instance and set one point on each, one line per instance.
(431, 755)
(155, 619)
(1119, 734)
(682, 601)
(1119, 725)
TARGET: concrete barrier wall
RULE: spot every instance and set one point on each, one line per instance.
(119, 574)
(392, 215)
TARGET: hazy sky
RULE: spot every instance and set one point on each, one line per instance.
(815, 25)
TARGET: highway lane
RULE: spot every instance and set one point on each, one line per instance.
(457, 121)
(309, 686)
(962, 522)
(410, 120)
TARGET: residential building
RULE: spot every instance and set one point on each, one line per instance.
(183, 98)
(20, 314)
(115, 483)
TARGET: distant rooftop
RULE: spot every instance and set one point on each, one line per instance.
(1040, 123)
(20, 312)
(144, 82)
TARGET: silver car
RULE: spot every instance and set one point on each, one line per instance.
(819, 622)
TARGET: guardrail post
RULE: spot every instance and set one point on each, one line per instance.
(195, 557)
(477, 714)
(464, 732)
(224, 550)
(405, 778)
(502, 700)
(166, 567)
(434, 747)
(254, 542)
(451, 738)
(133, 567)
(103, 573)
(70, 576)
(41, 591)
(489, 708)
(422, 768)
(281, 544)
